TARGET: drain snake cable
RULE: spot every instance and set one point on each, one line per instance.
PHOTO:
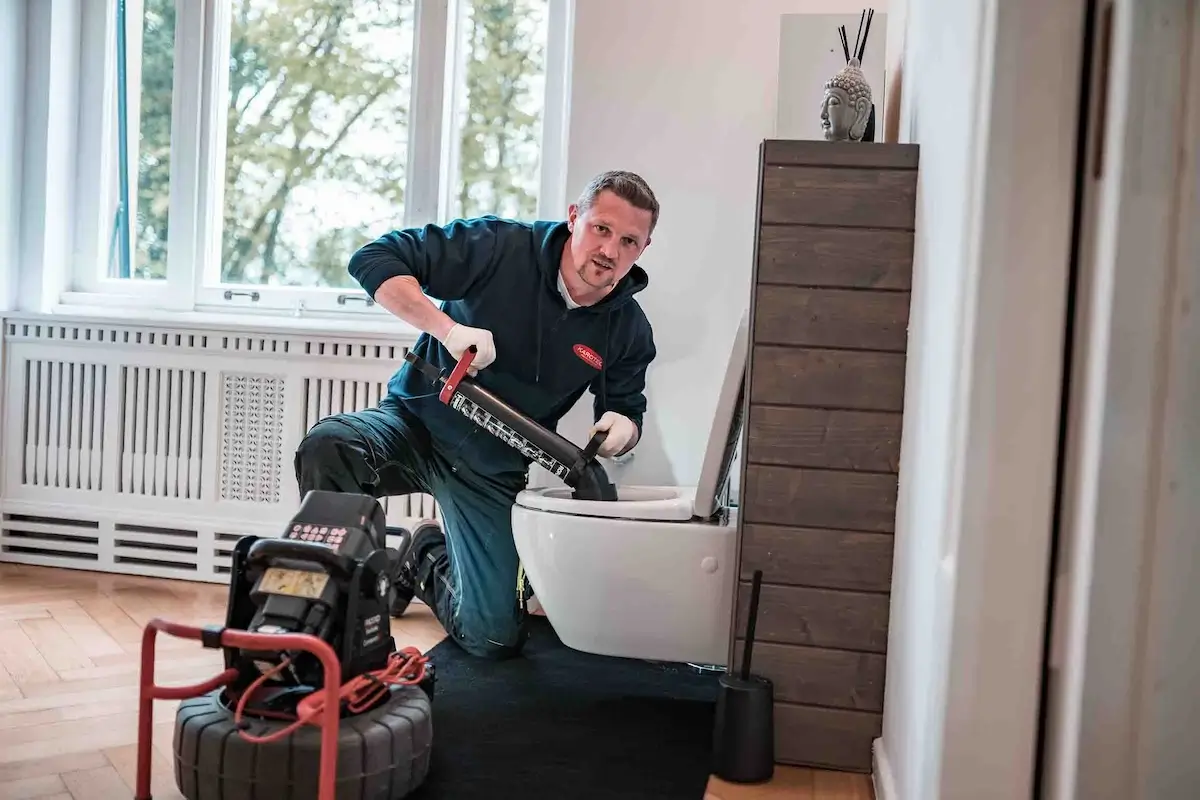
(405, 667)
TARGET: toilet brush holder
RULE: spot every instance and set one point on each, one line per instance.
(744, 732)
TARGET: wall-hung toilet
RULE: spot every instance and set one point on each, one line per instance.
(651, 575)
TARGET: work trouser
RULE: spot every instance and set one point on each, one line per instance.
(475, 586)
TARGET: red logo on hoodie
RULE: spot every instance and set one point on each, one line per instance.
(589, 356)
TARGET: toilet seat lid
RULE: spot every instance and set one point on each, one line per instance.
(726, 425)
(642, 503)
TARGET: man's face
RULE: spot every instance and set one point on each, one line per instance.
(606, 240)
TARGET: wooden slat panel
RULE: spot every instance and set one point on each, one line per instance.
(856, 320)
(822, 445)
(814, 676)
(818, 558)
(818, 153)
(813, 498)
(825, 737)
(842, 197)
(816, 617)
(824, 438)
(853, 258)
(846, 379)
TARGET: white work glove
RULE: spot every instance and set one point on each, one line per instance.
(461, 337)
(621, 431)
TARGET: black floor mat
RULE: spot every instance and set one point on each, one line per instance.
(557, 723)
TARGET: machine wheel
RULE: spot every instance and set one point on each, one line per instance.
(383, 754)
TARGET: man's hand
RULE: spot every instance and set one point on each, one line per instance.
(460, 337)
(621, 433)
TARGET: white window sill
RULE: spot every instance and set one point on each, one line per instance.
(383, 327)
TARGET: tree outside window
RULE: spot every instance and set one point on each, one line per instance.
(315, 131)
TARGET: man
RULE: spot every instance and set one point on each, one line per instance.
(550, 308)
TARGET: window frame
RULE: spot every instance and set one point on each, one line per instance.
(198, 155)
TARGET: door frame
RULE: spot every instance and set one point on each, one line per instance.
(1124, 607)
(982, 475)
(995, 551)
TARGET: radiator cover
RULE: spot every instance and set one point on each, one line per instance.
(150, 449)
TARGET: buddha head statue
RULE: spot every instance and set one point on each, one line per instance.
(846, 107)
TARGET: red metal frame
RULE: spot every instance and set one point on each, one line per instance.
(456, 375)
(149, 692)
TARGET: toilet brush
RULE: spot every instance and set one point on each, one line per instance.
(744, 733)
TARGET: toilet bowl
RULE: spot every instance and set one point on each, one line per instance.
(653, 574)
(636, 577)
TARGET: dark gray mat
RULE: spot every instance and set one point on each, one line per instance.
(557, 723)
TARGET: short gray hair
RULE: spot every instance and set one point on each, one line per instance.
(629, 186)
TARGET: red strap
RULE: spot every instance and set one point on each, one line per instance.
(456, 375)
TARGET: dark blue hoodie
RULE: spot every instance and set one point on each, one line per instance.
(502, 276)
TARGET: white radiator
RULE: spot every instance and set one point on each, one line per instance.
(150, 450)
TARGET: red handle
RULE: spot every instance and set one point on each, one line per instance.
(456, 375)
(149, 691)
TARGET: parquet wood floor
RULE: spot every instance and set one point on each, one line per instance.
(69, 654)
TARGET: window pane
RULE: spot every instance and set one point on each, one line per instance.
(501, 57)
(145, 75)
(316, 140)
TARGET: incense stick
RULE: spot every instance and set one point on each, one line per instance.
(862, 47)
(858, 36)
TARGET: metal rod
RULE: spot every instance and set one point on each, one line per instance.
(563, 454)
(553, 452)
(748, 644)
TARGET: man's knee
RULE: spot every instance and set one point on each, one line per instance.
(490, 650)
(325, 441)
(491, 640)
(328, 457)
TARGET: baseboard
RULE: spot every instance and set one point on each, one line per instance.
(882, 779)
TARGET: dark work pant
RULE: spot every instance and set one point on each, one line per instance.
(476, 588)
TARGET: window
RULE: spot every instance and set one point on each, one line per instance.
(244, 149)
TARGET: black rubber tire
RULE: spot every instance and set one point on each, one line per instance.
(383, 754)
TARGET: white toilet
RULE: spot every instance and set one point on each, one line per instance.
(653, 574)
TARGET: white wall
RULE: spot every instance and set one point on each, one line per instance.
(940, 72)
(888, 126)
(12, 100)
(1169, 702)
(676, 91)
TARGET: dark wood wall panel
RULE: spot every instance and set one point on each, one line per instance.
(841, 196)
(830, 738)
(818, 676)
(821, 451)
(807, 153)
(855, 380)
(833, 618)
(829, 438)
(854, 320)
(819, 498)
(847, 258)
(817, 557)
